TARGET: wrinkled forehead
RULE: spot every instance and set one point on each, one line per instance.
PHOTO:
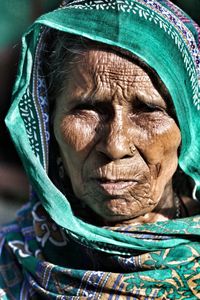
(99, 64)
(99, 60)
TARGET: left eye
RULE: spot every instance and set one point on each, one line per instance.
(152, 107)
(141, 106)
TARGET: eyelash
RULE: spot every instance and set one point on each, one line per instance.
(139, 106)
(88, 107)
(85, 106)
(147, 107)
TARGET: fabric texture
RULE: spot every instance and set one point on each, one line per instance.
(56, 255)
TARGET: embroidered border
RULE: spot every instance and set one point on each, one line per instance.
(28, 113)
(157, 13)
(34, 106)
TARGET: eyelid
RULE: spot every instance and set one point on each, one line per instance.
(99, 106)
(83, 104)
(153, 105)
(141, 101)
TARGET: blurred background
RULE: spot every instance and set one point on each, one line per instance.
(15, 17)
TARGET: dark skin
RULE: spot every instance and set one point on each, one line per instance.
(114, 131)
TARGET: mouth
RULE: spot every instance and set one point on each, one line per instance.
(113, 186)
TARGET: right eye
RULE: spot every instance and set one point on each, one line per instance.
(100, 108)
(85, 106)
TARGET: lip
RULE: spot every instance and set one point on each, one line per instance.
(113, 186)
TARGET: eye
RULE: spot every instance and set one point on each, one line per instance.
(84, 106)
(146, 107)
(152, 107)
(98, 107)
(86, 109)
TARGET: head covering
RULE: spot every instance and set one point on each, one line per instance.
(58, 256)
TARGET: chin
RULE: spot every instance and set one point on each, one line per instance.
(112, 212)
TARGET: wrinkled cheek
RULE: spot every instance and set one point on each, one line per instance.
(162, 146)
(78, 135)
(162, 158)
(170, 153)
(169, 165)
(75, 139)
(167, 168)
(163, 166)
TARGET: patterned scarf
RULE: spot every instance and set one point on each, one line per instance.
(48, 253)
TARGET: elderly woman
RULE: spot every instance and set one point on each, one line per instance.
(106, 119)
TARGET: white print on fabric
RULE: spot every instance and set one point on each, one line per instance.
(47, 231)
(174, 28)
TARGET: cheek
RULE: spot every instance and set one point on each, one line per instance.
(163, 153)
(78, 133)
(171, 143)
(75, 137)
(168, 143)
(161, 139)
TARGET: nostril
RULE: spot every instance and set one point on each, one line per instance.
(126, 156)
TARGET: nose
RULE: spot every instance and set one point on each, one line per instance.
(115, 141)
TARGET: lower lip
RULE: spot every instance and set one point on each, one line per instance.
(112, 187)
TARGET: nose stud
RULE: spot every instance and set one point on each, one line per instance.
(132, 149)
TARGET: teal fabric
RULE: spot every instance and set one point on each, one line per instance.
(59, 256)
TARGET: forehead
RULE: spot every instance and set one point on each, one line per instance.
(104, 62)
(102, 74)
(97, 71)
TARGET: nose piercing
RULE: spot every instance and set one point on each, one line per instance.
(132, 148)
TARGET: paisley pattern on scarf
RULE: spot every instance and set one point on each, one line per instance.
(48, 253)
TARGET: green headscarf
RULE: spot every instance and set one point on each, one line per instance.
(55, 248)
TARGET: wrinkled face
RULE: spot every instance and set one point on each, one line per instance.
(117, 139)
